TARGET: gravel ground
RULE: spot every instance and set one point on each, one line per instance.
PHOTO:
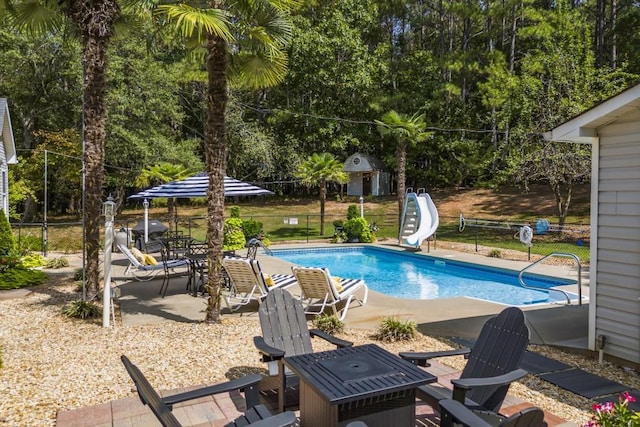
(51, 363)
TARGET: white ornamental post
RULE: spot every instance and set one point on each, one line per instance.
(108, 210)
(145, 204)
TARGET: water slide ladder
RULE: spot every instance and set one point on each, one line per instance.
(559, 255)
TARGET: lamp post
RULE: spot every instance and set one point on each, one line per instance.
(108, 210)
(361, 207)
(145, 204)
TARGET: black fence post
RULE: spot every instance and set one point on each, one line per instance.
(307, 228)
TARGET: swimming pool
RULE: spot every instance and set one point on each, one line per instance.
(411, 276)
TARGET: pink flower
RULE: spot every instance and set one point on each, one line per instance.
(627, 397)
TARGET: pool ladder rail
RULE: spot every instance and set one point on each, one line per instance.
(560, 255)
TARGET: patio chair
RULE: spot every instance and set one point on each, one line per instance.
(170, 266)
(248, 282)
(455, 413)
(197, 256)
(144, 272)
(285, 333)
(257, 415)
(320, 290)
(493, 364)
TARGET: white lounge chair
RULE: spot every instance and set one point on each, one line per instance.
(320, 290)
(249, 283)
(145, 272)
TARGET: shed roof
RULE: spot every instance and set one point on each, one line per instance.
(584, 127)
(359, 162)
(7, 132)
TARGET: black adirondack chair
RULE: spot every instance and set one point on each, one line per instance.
(455, 413)
(285, 333)
(256, 416)
(494, 363)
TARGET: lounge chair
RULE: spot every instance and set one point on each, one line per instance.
(455, 413)
(145, 272)
(248, 283)
(493, 364)
(257, 415)
(320, 290)
(285, 333)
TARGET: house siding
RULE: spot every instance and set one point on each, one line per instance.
(617, 313)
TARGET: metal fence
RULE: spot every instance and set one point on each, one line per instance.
(499, 238)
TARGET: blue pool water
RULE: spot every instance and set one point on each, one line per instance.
(411, 276)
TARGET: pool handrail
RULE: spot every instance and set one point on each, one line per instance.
(552, 254)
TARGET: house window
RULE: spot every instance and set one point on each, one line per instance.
(356, 161)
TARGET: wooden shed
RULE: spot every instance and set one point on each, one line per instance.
(366, 176)
(613, 129)
(7, 154)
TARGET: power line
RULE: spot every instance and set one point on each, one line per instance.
(362, 122)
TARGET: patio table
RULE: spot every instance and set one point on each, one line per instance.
(364, 383)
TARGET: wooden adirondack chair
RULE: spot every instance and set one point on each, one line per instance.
(455, 413)
(494, 363)
(285, 333)
(256, 416)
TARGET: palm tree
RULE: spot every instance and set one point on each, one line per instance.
(161, 174)
(245, 41)
(407, 131)
(320, 169)
(93, 22)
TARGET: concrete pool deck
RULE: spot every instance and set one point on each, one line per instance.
(459, 317)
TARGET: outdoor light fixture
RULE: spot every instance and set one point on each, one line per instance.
(361, 207)
(109, 209)
(109, 212)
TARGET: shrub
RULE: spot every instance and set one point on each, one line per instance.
(33, 260)
(7, 242)
(59, 262)
(393, 329)
(20, 277)
(494, 253)
(328, 323)
(251, 228)
(358, 228)
(234, 212)
(233, 235)
(352, 212)
(82, 310)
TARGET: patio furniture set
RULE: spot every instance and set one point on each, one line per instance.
(365, 385)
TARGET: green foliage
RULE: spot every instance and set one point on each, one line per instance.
(234, 211)
(58, 262)
(615, 414)
(82, 310)
(20, 277)
(7, 242)
(251, 228)
(233, 235)
(358, 228)
(495, 253)
(9, 262)
(328, 323)
(352, 212)
(393, 329)
(33, 260)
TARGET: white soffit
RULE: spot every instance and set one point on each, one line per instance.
(584, 128)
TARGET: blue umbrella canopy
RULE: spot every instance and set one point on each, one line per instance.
(196, 186)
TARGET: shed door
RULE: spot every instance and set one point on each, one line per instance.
(366, 184)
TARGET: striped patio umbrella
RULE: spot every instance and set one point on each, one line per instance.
(196, 186)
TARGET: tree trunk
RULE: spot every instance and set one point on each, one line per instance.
(401, 152)
(215, 155)
(94, 20)
(562, 200)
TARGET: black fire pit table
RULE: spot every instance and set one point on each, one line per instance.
(364, 383)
